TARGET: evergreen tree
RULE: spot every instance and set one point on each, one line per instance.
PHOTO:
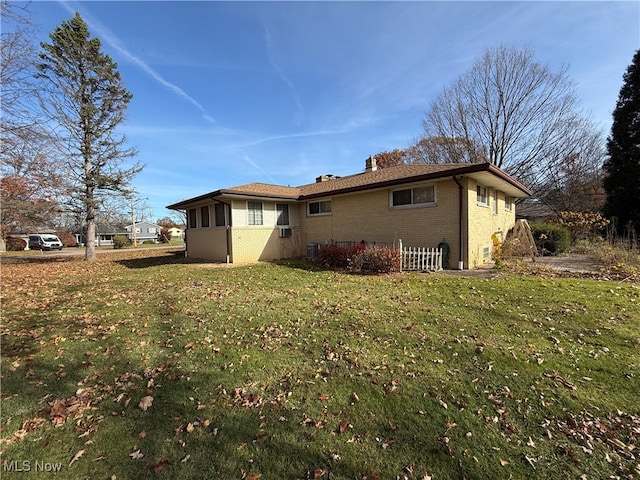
(622, 180)
(87, 101)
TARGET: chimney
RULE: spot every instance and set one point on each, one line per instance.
(324, 178)
(370, 165)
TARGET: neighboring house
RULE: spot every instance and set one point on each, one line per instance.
(460, 204)
(104, 234)
(143, 231)
(176, 232)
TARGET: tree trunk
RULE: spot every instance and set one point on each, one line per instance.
(90, 245)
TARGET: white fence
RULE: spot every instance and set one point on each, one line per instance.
(421, 258)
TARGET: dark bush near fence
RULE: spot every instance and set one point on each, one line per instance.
(551, 238)
(359, 258)
(334, 256)
(377, 260)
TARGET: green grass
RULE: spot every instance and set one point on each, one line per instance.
(289, 372)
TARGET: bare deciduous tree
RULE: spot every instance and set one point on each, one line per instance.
(519, 110)
(31, 181)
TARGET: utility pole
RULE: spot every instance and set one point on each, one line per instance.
(133, 224)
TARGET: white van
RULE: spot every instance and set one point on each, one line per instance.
(45, 241)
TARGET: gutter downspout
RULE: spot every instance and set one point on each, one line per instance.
(460, 223)
(228, 228)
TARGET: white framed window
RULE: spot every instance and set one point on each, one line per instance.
(322, 207)
(219, 213)
(495, 202)
(204, 216)
(282, 214)
(419, 196)
(254, 213)
(482, 195)
(508, 203)
(151, 230)
(191, 218)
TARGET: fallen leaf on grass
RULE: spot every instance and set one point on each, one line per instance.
(344, 426)
(504, 463)
(185, 458)
(145, 403)
(76, 457)
(136, 455)
(158, 467)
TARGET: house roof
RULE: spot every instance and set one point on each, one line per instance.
(485, 173)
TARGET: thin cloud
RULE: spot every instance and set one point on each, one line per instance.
(112, 41)
(274, 61)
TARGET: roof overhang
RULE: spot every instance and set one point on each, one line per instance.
(484, 173)
(224, 195)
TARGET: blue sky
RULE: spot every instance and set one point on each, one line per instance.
(226, 93)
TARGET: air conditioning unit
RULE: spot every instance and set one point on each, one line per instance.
(312, 251)
(285, 232)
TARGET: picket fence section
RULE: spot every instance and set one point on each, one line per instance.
(421, 258)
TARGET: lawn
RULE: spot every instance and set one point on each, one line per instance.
(144, 365)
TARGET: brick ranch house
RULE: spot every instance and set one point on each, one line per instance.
(460, 204)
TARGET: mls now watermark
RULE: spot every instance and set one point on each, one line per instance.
(30, 466)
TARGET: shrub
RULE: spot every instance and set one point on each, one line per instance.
(359, 258)
(583, 225)
(121, 241)
(148, 242)
(333, 256)
(15, 244)
(376, 260)
(550, 238)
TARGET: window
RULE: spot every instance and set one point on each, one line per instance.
(508, 203)
(218, 211)
(282, 214)
(319, 208)
(254, 210)
(204, 216)
(192, 218)
(495, 202)
(483, 195)
(414, 196)
(151, 230)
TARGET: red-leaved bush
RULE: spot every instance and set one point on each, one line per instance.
(359, 258)
(377, 260)
(333, 256)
